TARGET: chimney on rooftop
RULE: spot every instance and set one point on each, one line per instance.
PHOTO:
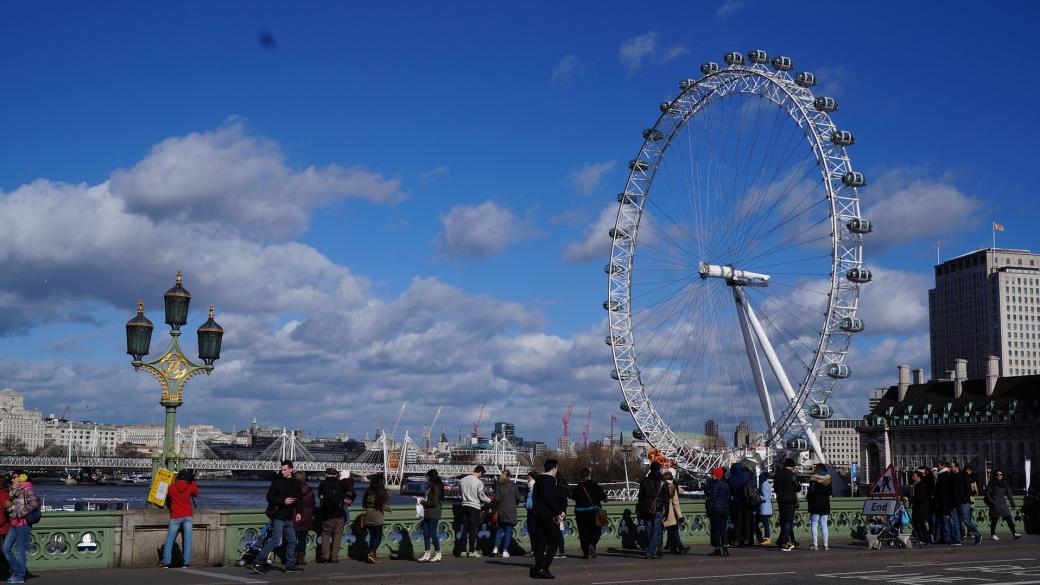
(919, 376)
(959, 376)
(992, 374)
(950, 375)
(904, 380)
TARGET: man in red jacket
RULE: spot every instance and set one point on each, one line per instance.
(179, 498)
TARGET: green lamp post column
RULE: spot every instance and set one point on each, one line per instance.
(173, 369)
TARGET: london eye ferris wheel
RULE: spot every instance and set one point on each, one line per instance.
(736, 264)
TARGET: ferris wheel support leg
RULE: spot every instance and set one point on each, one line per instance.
(781, 377)
(752, 352)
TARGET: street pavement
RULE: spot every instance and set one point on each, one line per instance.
(992, 563)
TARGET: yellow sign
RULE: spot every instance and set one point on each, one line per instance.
(160, 486)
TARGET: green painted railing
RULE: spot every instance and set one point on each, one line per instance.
(70, 540)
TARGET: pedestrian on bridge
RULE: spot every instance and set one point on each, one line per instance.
(24, 510)
(716, 505)
(283, 504)
(303, 522)
(819, 500)
(376, 503)
(764, 514)
(672, 522)
(473, 498)
(506, 499)
(346, 483)
(5, 524)
(179, 501)
(547, 513)
(330, 508)
(920, 508)
(652, 506)
(787, 490)
(433, 503)
(998, 496)
(588, 505)
(563, 492)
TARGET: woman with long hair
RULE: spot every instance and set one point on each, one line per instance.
(375, 504)
(998, 496)
(433, 501)
(819, 498)
(920, 508)
(303, 520)
(506, 498)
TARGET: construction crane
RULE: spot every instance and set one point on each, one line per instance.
(429, 429)
(480, 417)
(585, 431)
(397, 420)
(66, 414)
(566, 442)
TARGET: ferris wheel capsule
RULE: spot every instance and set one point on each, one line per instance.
(614, 269)
(853, 179)
(858, 225)
(858, 275)
(614, 340)
(734, 58)
(805, 79)
(652, 135)
(783, 64)
(798, 444)
(758, 57)
(618, 234)
(826, 104)
(609, 305)
(851, 325)
(709, 68)
(820, 411)
(625, 407)
(638, 435)
(627, 198)
(842, 138)
(620, 376)
(638, 165)
(838, 371)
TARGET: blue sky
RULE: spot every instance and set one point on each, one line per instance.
(438, 250)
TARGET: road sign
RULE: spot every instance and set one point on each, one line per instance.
(879, 507)
(886, 484)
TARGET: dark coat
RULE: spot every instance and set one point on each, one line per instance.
(282, 488)
(920, 502)
(819, 494)
(653, 495)
(306, 511)
(961, 488)
(546, 500)
(434, 501)
(738, 478)
(717, 497)
(588, 494)
(563, 493)
(330, 499)
(506, 498)
(943, 498)
(786, 487)
(998, 497)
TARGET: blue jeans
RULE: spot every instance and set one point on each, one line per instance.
(821, 521)
(430, 533)
(654, 534)
(375, 537)
(966, 519)
(281, 530)
(952, 525)
(17, 536)
(176, 525)
(503, 537)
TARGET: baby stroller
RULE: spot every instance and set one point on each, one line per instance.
(254, 547)
(888, 530)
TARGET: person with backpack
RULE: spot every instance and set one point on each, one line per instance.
(283, 504)
(652, 506)
(745, 501)
(331, 502)
(588, 506)
(376, 503)
(179, 501)
(716, 504)
(819, 499)
(764, 515)
(432, 503)
(506, 498)
(997, 497)
(23, 508)
(303, 522)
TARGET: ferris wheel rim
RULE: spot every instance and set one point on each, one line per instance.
(653, 426)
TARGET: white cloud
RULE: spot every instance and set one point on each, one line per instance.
(895, 302)
(236, 180)
(569, 67)
(729, 7)
(637, 51)
(595, 244)
(906, 205)
(479, 231)
(834, 80)
(587, 178)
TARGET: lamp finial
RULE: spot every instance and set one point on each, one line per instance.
(211, 311)
(140, 306)
(179, 279)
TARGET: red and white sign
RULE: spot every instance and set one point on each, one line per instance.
(886, 485)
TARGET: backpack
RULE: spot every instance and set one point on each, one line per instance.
(34, 516)
(331, 497)
(751, 496)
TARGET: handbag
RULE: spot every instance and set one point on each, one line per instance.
(361, 520)
(494, 517)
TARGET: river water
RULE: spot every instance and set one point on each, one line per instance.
(213, 494)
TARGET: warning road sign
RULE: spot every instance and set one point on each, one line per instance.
(886, 484)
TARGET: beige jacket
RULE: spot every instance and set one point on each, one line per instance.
(675, 511)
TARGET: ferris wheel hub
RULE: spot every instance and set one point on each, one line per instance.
(733, 276)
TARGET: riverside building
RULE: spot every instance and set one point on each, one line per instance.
(984, 303)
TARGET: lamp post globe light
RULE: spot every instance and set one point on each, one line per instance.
(172, 369)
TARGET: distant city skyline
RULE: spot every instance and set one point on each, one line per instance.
(419, 212)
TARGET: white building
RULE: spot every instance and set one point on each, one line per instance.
(984, 303)
(88, 439)
(839, 441)
(147, 437)
(19, 423)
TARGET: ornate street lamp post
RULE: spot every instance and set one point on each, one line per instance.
(173, 369)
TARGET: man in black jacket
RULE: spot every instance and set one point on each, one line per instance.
(960, 517)
(546, 515)
(283, 506)
(786, 488)
(652, 505)
(945, 503)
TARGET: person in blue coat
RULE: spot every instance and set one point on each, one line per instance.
(765, 509)
(717, 506)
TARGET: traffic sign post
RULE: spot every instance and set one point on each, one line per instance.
(886, 485)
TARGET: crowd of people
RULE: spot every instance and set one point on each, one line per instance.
(942, 504)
